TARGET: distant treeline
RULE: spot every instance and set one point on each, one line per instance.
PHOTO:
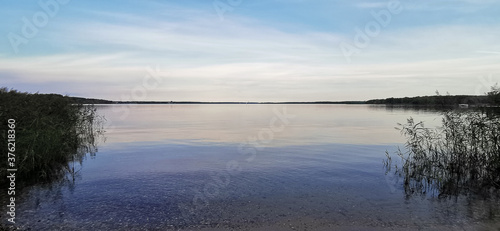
(74, 100)
(437, 100)
(80, 100)
(491, 98)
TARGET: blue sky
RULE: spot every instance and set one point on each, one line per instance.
(242, 50)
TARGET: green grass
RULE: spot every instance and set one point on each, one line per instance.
(460, 157)
(51, 131)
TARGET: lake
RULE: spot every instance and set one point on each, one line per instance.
(248, 167)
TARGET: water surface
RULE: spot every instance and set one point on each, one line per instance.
(248, 167)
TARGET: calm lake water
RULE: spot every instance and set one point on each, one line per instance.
(248, 167)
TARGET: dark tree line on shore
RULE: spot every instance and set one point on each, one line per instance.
(447, 100)
(491, 98)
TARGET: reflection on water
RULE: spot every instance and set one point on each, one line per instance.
(234, 123)
(195, 167)
(50, 150)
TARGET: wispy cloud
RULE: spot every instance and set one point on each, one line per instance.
(104, 53)
(489, 52)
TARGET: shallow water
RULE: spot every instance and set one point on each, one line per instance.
(248, 167)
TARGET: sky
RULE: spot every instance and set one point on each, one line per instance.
(243, 50)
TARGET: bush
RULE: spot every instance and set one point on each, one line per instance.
(494, 94)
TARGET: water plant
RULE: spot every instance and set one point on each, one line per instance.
(460, 157)
(51, 131)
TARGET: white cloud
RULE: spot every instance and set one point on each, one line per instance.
(244, 60)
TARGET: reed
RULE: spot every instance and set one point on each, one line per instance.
(460, 157)
(51, 131)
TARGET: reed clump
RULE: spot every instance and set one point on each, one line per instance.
(460, 157)
(51, 131)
